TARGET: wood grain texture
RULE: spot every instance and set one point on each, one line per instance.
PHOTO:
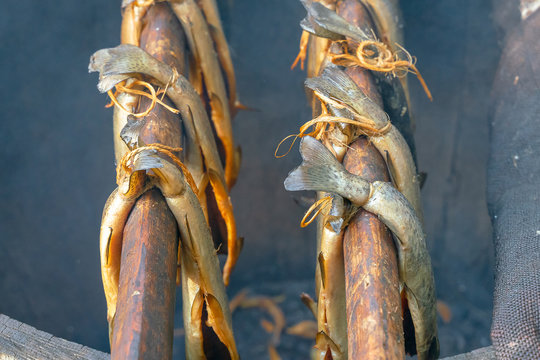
(163, 37)
(374, 315)
(375, 327)
(22, 341)
(144, 323)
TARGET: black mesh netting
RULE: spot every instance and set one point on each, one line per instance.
(514, 194)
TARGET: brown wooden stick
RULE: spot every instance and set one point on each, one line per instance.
(373, 302)
(144, 323)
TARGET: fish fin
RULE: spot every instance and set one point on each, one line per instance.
(97, 61)
(240, 243)
(115, 65)
(197, 308)
(304, 201)
(217, 321)
(131, 131)
(106, 83)
(338, 206)
(239, 106)
(318, 170)
(337, 88)
(147, 160)
(337, 224)
(324, 22)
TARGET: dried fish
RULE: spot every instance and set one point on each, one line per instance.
(325, 23)
(126, 59)
(322, 172)
(332, 317)
(200, 269)
(115, 214)
(201, 45)
(338, 90)
(210, 10)
(388, 20)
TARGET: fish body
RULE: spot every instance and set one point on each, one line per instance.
(126, 59)
(332, 319)
(113, 220)
(120, 118)
(322, 172)
(211, 13)
(200, 267)
(337, 89)
(389, 23)
(388, 20)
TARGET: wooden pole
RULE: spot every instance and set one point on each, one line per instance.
(144, 320)
(373, 302)
(144, 324)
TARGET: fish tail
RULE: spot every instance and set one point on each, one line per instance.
(147, 159)
(116, 64)
(319, 170)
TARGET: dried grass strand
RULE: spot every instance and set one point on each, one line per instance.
(302, 53)
(376, 56)
(318, 206)
(120, 88)
(324, 123)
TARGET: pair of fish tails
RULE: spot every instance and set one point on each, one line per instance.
(321, 171)
(336, 88)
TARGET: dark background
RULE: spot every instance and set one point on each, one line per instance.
(56, 155)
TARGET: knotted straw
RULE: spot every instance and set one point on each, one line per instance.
(375, 55)
(324, 123)
(319, 206)
(121, 88)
